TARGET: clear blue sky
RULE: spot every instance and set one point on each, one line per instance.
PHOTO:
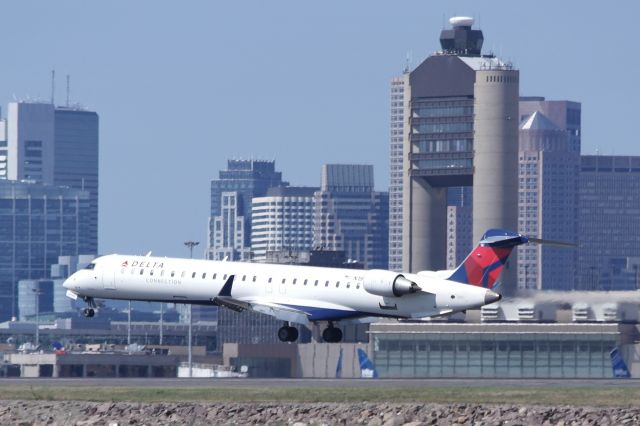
(182, 86)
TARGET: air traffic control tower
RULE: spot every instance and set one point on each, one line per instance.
(460, 129)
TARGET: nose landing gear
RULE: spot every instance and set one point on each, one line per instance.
(89, 311)
(286, 333)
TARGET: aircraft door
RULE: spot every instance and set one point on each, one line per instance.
(108, 280)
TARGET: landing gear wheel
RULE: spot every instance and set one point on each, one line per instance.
(293, 334)
(283, 334)
(88, 312)
(332, 334)
(287, 334)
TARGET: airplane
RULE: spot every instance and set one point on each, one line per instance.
(301, 294)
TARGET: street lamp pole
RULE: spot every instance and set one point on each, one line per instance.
(36, 292)
(191, 245)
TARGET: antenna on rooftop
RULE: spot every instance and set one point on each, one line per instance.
(68, 88)
(408, 60)
(53, 85)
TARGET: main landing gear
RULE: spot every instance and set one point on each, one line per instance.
(332, 334)
(286, 333)
(89, 311)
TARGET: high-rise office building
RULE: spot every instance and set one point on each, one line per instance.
(38, 223)
(76, 158)
(459, 225)
(400, 98)
(609, 222)
(351, 216)
(30, 142)
(566, 115)
(281, 221)
(230, 230)
(237, 186)
(54, 146)
(35, 296)
(459, 128)
(548, 190)
(62, 270)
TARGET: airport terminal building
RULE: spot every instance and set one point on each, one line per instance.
(497, 350)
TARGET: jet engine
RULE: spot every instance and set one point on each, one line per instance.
(388, 283)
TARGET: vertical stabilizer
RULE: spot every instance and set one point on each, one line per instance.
(620, 370)
(485, 263)
(367, 369)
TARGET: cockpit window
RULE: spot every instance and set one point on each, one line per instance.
(90, 266)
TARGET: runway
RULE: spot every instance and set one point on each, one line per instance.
(321, 383)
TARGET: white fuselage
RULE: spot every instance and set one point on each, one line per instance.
(325, 294)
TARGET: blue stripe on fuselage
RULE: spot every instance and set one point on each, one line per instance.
(325, 314)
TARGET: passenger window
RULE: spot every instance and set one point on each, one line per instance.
(295, 280)
(337, 284)
(141, 271)
(254, 278)
(162, 273)
(225, 277)
(214, 276)
(204, 275)
(316, 284)
(173, 273)
(326, 284)
(357, 286)
(193, 275)
(283, 280)
(151, 272)
(269, 279)
(348, 285)
(305, 282)
(244, 277)
(183, 274)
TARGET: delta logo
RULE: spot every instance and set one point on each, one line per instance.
(143, 264)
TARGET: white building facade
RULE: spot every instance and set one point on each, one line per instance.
(282, 220)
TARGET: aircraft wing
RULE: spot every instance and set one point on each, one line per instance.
(284, 313)
(281, 312)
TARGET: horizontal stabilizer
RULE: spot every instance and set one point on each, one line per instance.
(502, 238)
(551, 242)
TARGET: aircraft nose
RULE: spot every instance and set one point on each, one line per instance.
(491, 296)
(68, 282)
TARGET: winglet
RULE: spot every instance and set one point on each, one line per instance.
(226, 288)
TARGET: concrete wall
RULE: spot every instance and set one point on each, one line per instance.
(425, 232)
(319, 360)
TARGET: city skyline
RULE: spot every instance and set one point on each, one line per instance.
(281, 83)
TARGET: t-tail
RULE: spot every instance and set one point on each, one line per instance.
(620, 370)
(367, 369)
(485, 263)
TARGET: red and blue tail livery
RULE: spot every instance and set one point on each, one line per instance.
(485, 263)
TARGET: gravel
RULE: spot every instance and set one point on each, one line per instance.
(79, 413)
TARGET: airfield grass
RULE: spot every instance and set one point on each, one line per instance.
(596, 396)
